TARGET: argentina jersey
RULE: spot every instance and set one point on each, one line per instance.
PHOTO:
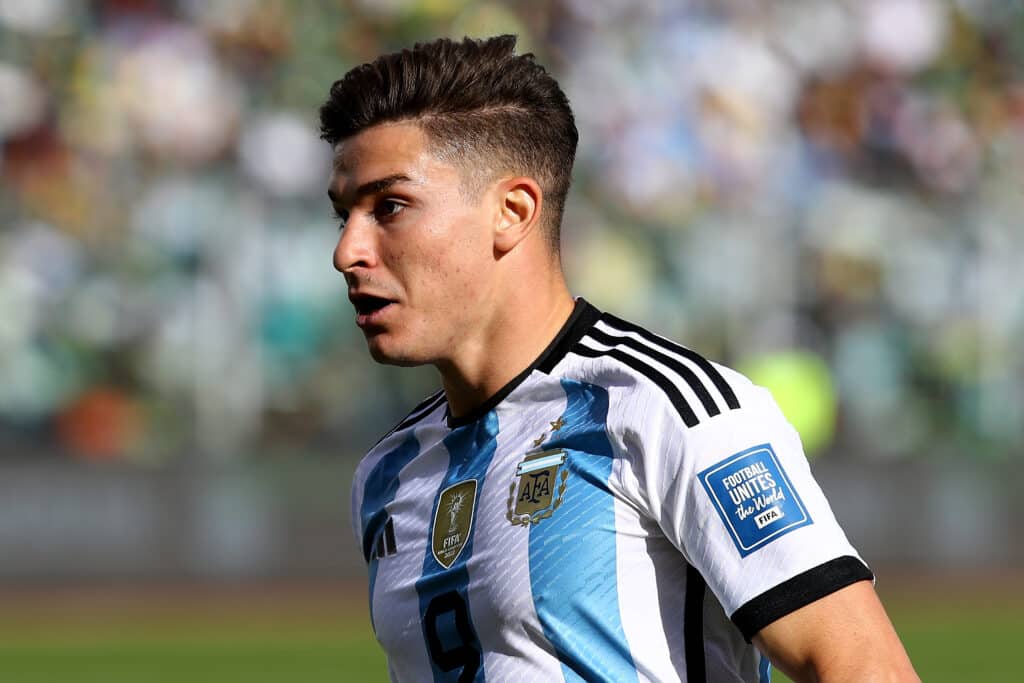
(623, 510)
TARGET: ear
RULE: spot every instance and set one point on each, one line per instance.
(519, 201)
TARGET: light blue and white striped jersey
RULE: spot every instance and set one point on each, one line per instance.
(624, 510)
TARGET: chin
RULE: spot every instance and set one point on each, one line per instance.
(391, 354)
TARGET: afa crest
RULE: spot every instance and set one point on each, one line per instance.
(539, 487)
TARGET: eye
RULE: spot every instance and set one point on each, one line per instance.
(341, 216)
(386, 209)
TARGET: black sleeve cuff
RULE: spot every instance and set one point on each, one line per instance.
(797, 592)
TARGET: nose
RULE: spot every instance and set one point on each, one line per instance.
(356, 247)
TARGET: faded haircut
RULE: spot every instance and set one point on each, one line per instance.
(482, 107)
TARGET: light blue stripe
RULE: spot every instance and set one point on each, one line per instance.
(470, 450)
(379, 490)
(764, 670)
(540, 463)
(572, 553)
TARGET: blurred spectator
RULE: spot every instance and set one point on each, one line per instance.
(837, 178)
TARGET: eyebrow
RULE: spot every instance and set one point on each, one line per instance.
(372, 187)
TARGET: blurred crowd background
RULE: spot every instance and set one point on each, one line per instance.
(824, 194)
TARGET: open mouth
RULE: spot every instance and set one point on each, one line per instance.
(367, 305)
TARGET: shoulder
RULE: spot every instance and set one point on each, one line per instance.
(429, 410)
(647, 367)
(418, 415)
(382, 463)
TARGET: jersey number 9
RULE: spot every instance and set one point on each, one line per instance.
(465, 654)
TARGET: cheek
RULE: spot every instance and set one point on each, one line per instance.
(467, 270)
(447, 265)
(459, 263)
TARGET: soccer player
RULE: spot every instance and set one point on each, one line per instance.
(583, 499)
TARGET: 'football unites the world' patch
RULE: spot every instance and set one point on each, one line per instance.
(754, 498)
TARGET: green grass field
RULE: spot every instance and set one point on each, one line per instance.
(955, 632)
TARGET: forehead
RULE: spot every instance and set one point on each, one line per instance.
(386, 150)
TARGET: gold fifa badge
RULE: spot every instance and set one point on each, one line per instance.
(453, 521)
(540, 488)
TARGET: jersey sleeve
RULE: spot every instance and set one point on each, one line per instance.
(736, 495)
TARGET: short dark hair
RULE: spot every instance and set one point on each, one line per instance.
(477, 101)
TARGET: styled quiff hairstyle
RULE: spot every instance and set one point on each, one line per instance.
(483, 108)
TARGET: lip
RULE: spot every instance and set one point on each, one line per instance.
(372, 318)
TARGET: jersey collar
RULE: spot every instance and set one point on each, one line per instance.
(582, 318)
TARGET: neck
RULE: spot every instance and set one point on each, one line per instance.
(523, 325)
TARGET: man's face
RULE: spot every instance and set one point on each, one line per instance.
(415, 252)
